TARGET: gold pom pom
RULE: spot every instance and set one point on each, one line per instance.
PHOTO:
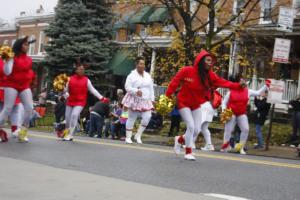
(226, 115)
(60, 82)
(165, 105)
(6, 52)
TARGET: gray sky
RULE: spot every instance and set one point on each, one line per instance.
(9, 9)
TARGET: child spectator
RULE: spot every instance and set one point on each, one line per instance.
(260, 117)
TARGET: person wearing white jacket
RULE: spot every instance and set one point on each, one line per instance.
(139, 100)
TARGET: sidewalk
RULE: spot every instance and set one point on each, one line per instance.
(274, 151)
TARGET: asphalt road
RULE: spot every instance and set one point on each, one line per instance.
(47, 168)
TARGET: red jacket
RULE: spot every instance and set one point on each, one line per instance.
(193, 93)
(78, 91)
(21, 75)
(238, 101)
(2, 79)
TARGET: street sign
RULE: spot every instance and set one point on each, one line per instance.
(276, 90)
(286, 19)
(281, 50)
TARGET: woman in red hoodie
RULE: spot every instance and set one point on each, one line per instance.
(77, 89)
(17, 83)
(196, 84)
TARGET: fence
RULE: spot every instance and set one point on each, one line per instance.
(290, 91)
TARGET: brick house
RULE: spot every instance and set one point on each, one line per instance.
(135, 19)
(8, 34)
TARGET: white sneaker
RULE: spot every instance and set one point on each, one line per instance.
(15, 134)
(138, 139)
(208, 147)
(177, 145)
(242, 151)
(189, 157)
(68, 138)
(128, 141)
(193, 146)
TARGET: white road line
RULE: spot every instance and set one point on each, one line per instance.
(227, 197)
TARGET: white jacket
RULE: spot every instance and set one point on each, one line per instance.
(135, 82)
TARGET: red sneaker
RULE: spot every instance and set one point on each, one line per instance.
(3, 136)
(225, 147)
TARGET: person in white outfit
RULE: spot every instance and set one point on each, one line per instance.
(139, 100)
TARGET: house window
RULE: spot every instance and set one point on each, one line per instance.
(193, 6)
(32, 45)
(5, 42)
(42, 42)
(238, 4)
(296, 4)
(266, 11)
(13, 42)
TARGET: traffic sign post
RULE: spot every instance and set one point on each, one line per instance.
(275, 95)
(281, 50)
(286, 19)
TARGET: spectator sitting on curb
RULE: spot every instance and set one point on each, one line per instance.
(34, 116)
(115, 121)
(99, 112)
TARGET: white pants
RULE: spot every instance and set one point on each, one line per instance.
(192, 119)
(207, 114)
(72, 115)
(16, 116)
(132, 116)
(242, 122)
(205, 132)
(10, 95)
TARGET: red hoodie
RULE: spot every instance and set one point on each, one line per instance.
(21, 75)
(192, 92)
(2, 79)
(78, 91)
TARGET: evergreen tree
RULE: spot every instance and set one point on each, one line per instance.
(81, 28)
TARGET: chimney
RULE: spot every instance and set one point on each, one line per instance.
(40, 10)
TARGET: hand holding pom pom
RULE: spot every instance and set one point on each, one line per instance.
(6, 52)
(164, 105)
(226, 115)
(60, 82)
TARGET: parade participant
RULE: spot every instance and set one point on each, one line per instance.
(237, 100)
(138, 100)
(16, 115)
(18, 79)
(77, 90)
(196, 83)
(207, 112)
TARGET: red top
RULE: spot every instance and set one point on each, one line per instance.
(238, 101)
(78, 90)
(2, 79)
(22, 74)
(193, 93)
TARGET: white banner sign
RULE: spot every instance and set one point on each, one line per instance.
(286, 19)
(276, 90)
(281, 50)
